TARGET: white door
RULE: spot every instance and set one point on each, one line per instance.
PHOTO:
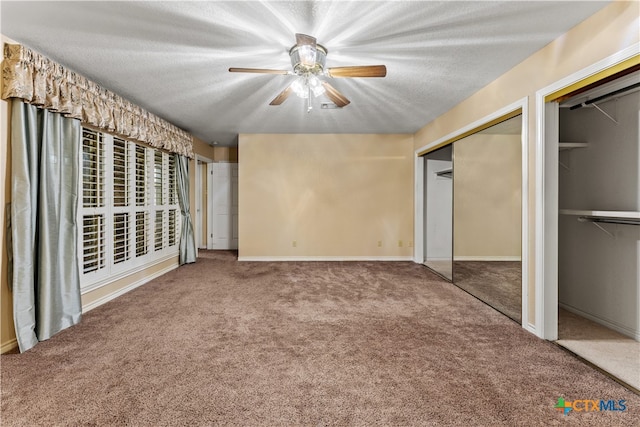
(223, 218)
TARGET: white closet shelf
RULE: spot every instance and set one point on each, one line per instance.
(571, 145)
(602, 214)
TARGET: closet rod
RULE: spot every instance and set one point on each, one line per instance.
(624, 221)
(446, 173)
(608, 95)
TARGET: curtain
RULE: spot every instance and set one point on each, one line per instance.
(37, 80)
(44, 191)
(187, 239)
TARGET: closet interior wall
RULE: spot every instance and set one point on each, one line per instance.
(438, 213)
(598, 263)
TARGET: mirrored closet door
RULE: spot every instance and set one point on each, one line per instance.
(473, 217)
(487, 216)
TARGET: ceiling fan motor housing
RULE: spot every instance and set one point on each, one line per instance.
(298, 64)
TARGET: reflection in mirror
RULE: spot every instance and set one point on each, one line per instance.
(438, 187)
(487, 216)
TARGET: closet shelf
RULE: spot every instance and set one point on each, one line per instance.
(571, 145)
(609, 217)
(602, 214)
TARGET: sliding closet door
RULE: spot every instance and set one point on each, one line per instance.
(438, 221)
(487, 216)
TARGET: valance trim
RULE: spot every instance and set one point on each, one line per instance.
(37, 80)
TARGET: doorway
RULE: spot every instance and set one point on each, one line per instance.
(202, 201)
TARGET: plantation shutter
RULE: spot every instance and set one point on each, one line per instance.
(93, 190)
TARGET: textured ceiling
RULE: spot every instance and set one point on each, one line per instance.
(172, 58)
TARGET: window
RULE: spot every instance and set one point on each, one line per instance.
(128, 211)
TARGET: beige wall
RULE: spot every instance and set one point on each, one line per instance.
(487, 197)
(225, 154)
(607, 32)
(107, 291)
(7, 332)
(333, 195)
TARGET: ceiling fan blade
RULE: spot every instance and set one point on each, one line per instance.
(336, 97)
(257, 70)
(282, 96)
(358, 71)
(305, 40)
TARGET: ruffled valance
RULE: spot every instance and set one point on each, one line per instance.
(37, 80)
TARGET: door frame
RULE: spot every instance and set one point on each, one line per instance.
(211, 210)
(521, 107)
(546, 185)
(199, 198)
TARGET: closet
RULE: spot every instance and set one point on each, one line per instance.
(599, 217)
(599, 200)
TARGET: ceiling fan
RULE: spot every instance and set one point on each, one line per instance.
(308, 62)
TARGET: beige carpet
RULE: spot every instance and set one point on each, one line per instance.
(609, 350)
(300, 344)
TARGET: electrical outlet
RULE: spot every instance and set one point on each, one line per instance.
(294, 244)
(379, 243)
(399, 243)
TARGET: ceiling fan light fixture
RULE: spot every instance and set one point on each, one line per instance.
(299, 88)
(315, 85)
(309, 83)
(306, 59)
(307, 56)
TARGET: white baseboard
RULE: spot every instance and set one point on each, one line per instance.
(8, 346)
(530, 327)
(624, 330)
(127, 288)
(487, 258)
(324, 258)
